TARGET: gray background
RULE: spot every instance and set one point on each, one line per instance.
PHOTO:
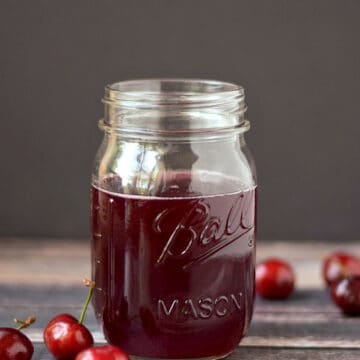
(299, 62)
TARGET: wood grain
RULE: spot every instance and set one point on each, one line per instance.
(306, 320)
(49, 261)
(245, 353)
(44, 277)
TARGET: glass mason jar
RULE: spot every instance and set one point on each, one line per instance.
(173, 219)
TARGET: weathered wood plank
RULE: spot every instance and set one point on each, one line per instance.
(293, 354)
(44, 277)
(49, 261)
(255, 353)
(307, 319)
(43, 261)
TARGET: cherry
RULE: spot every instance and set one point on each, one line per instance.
(346, 294)
(14, 345)
(65, 336)
(105, 352)
(274, 279)
(338, 265)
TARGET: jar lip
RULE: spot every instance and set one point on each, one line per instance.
(173, 91)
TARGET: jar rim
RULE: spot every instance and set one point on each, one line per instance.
(182, 92)
(174, 107)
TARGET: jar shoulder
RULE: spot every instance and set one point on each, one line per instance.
(164, 167)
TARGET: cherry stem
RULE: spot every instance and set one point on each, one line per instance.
(25, 323)
(91, 285)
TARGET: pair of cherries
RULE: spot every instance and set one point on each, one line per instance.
(65, 337)
(341, 272)
(275, 279)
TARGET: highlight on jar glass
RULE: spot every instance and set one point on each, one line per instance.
(173, 207)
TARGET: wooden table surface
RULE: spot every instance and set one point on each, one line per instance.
(44, 277)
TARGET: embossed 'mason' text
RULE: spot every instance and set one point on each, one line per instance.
(203, 308)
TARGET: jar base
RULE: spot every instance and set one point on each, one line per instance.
(216, 357)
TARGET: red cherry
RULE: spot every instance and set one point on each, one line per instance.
(274, 279)
(63, 317)
(346, 294)
(106, 352)
(14, 345)
(65, 336)
(339, 265)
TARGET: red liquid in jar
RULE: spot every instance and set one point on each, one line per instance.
(174, 272)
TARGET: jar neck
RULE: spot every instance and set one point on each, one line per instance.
(174, 108)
